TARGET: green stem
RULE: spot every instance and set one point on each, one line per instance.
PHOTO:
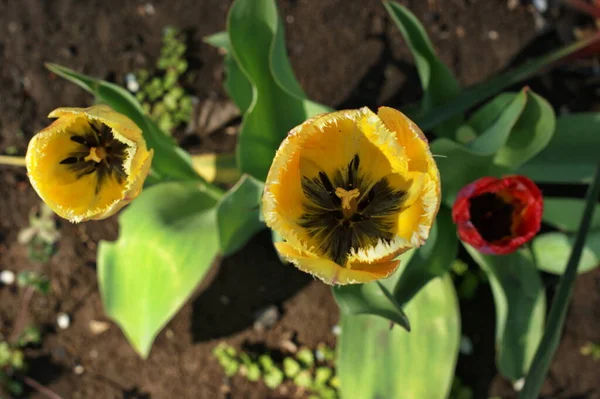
(558, 311)
(12, 160)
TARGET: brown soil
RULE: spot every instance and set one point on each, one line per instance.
(345, 54)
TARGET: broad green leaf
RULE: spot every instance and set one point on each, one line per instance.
(495, 136)
(507, 131)
(374, 361)
(238, 214)
(470, 97)
(531, 134)
(219, 40)
(236, 84)
(552, 252)
(565, 213)
(438, 83)
(459, 166)
(431, 260)
(571, 154)
(520, 303)
(375, 297)
(256, 36)
(167, 242)
(560, 303)
(216, 168)
(484, 116)
(170, 161)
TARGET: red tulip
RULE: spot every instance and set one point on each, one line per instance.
(497, 216)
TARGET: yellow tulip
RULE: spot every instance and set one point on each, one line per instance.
(89, 163)
(349, 191)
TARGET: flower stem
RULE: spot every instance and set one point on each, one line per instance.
(11, 160)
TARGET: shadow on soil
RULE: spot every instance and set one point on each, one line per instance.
(246, 282)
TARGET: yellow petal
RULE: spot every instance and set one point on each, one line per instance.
(79, 196)
(332, 273)
(349, 191)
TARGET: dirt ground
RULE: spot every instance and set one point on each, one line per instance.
(346, 53)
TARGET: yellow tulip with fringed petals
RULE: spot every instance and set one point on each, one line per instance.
(89, 163)
(351, 190)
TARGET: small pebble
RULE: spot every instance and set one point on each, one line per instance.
(224, 300)
(132, 83)
(540, 5)
(78, 369)
(466, 346)
(336, 330)
(93, 353)
(97, 327)
(266, 318)
(493, 35)
(63, 321)
(518, 384)
(169, 333)
(7, 277)
(289, 19)
(460, 32)
(288, 346)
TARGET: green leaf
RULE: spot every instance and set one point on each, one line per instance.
(238, 214)
(236, 84)
(375, 361)
(459, 166)
(484, 116)
(571, 154)
(552, 252)
(565, 213)
(508, 131)
(496, 134)
(520, 303)
(431, 260)
(256, 36)
(374, 298)
(218, 40)
(438, 83)
(560, 304)
(170, 161)
(167, 242)
(216, 168)
(470, 97)
(530, 135)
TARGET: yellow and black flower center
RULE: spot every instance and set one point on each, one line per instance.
(97, 152)
(492, 216)
(349, 210)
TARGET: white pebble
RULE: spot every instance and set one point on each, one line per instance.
(7, 277)
(63, 321)
(336, 330)
(78, 369)
(493, 35)
(519, 384)
(132, 83)
(541, 5)
(466, 346)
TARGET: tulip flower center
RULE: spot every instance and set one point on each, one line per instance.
(349, 210)
(98, 152)
(348, 200)
(492, 216)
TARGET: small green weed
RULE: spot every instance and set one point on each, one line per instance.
(160, 93)
(308, 370)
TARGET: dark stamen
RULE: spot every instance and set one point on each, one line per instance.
(78, 139)
(338, 232)
(111, 165)
(68, 161)
(491, 216)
